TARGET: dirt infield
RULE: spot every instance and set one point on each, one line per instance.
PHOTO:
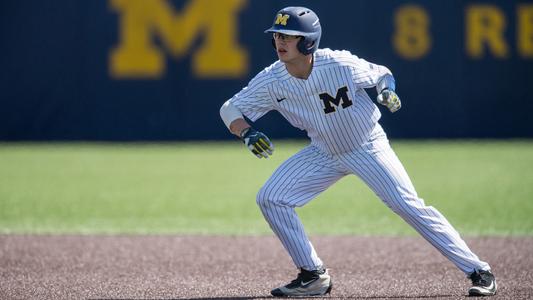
(191, 267)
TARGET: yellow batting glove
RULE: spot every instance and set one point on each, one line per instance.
(390, 100)
(257, 142)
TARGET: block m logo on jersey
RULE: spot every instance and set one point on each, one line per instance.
(340, 98)
(149, 29)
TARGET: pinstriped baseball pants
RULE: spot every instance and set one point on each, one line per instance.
(309, 172)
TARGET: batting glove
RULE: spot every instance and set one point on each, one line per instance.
(390, 100)
(257, 142)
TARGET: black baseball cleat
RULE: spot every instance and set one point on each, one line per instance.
(483, 284)
(308, 283)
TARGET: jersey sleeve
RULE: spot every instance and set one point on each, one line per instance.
(254, 101)
(366, 74)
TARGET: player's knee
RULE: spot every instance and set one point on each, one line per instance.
(265, 197)
(406, 206)
(261, 199)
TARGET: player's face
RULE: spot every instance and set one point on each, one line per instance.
(286, 46)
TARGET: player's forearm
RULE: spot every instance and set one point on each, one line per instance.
(233, 118)
(386, 82)
(237, 126)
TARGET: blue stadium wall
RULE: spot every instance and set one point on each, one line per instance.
(129, 70)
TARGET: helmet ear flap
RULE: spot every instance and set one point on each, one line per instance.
(304, 46)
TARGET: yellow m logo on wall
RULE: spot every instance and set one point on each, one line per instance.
(141, 21)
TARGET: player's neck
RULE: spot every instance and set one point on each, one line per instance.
(300, 67)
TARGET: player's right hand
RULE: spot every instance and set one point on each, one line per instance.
(257, 142)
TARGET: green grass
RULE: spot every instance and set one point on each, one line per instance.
(483, 188)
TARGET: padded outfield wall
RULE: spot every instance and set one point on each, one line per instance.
(160, 69)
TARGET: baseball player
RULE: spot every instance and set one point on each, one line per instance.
(322, 92)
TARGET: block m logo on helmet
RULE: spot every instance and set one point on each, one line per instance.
(340, 99)
(150, 29)
(281, 19)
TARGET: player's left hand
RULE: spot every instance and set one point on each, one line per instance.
(257, 142)
(390, 100)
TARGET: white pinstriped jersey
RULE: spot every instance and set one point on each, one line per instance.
(333, 125)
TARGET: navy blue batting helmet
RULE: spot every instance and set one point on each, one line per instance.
(299, 21)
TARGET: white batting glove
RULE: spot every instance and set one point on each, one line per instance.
(390, 100)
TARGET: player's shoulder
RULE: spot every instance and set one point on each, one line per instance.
(268, 74)
(327, 57)
(276, 71)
